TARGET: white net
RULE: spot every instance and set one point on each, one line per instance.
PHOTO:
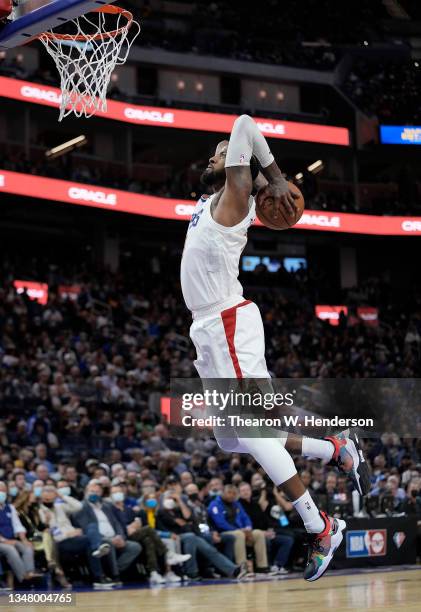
(86, 56)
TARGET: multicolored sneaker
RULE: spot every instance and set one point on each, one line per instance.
(323, 546)
(349, 458)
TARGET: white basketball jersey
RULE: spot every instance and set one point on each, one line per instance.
(211, 256)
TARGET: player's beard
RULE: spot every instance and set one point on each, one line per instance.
(209, 177)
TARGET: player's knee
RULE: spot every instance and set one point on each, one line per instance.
(229, 445)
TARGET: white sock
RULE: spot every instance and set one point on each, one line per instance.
(322, 449)
(309, 512)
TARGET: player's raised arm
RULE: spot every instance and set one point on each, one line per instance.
(247, 140)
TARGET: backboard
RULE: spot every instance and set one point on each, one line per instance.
(31, 17)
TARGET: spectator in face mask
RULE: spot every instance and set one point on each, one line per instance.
(95, 511)
(279, 544)
(228, 515)
(37, 487)
(55, 512)
(14, 545)
(63, 488)
(392, 498)
(412, 503)
(18, 487)
(138, 530)
(129, 501)
(215, 488)
(172, 543)
(28, 504)
(223, 541)
(176, 517)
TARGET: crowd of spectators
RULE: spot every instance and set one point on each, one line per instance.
(282, 34)
(387, 89)
(100, 488)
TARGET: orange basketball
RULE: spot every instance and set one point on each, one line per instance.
(264, 210)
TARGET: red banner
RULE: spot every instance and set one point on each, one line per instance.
(36, 291)
(330, 313)
(169, 208)
(369, 315)
(181, 119)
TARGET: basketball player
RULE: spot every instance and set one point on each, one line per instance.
(227, 330)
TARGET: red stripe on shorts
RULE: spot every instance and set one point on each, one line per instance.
(229, 320)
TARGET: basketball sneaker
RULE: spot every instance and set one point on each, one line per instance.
(349, 459)
(322, 547)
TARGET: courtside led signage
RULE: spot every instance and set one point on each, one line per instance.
(366, 543)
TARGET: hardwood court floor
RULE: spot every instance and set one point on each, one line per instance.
(386, 591)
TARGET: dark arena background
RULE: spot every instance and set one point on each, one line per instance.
(93, 325)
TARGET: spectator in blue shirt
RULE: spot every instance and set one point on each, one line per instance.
(228, 516)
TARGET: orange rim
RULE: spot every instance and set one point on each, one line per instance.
(111, 10)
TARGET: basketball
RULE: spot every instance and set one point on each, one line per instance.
(264, 210)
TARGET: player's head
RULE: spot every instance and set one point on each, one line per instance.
(215, 172)
(214, 175)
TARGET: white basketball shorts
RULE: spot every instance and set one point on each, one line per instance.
(230, 343)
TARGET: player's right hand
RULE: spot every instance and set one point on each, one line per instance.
(283, 197)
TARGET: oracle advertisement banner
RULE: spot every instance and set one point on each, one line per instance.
(330, 313)
(60, 191)
(35, 291)
(182, 119)
(367, 314)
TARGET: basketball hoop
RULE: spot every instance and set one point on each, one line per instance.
(87, 56)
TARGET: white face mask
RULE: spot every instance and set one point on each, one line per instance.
(169, 503)
(118, 496)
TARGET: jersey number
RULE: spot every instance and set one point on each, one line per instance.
(195, 219)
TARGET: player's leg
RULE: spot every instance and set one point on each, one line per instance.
(343, 449)
(233, 347)
(245, 339)
(325, 531)
(244, 332)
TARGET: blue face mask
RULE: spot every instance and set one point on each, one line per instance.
(64, 490)
(13, 491)
(3, 497)
(151, 503)
(93, 498)
(37, 491)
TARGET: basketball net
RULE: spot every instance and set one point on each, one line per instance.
(87, 57)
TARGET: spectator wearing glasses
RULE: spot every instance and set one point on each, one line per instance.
(99, 513)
